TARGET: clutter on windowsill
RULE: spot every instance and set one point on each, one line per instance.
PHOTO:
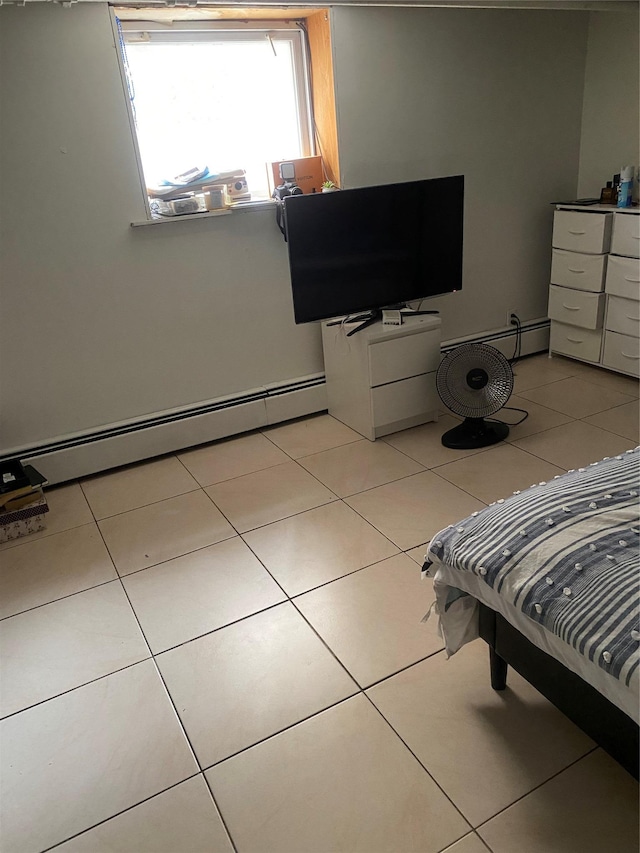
(259, 203)
(195, 180)
(198, 191)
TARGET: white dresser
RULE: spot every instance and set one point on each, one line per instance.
(383, 379)
(594, 297)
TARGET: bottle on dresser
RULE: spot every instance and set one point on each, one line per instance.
(625, 193)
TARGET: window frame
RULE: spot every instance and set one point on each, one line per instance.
(147, 32)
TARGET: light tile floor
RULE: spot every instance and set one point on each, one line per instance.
(222, 650)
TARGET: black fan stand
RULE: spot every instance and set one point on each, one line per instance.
(475, 432)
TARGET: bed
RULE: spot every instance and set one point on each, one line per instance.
(549, 578)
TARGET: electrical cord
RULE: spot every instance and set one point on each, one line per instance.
(510, 409)
(517, 351)
(280, 218)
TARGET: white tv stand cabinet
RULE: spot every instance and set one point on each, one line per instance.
(382, 379)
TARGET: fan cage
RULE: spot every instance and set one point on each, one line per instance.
(453, 385)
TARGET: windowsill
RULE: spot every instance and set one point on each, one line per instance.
(261, 204)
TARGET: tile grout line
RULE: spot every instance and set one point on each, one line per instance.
(451, 847)
(117, 814)
(430, 470)
(76, 687)
(346, 574)
(358, 691)
(177, 715)
(270, 468)
(475, 828)
(281, 731)
(16, 543)
(539, 785)
(482, 841)
(62, 598)
(196, 759)
(477, 837)
(424, 767)
(196, 488)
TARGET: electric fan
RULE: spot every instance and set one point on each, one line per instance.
(474, 381)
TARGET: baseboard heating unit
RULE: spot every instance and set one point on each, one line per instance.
(534, 339)
(78, 455)
(81, 454)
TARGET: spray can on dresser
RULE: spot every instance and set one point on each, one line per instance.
(625, 195)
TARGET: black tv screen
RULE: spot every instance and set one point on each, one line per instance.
(374, 247)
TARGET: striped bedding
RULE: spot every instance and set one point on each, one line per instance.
(560, 560)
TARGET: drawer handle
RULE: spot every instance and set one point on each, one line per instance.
(634, 357)
(571, 307)
(575, 340)
(572, 270)
(631, 317)
(635, 280)
(576, 232)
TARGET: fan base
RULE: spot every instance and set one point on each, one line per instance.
(475, 432)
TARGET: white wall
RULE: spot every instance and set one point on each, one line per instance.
(492, 94)
(611, 114)
(101, 322)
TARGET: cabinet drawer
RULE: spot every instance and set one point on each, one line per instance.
(576, 307)
(574, 269)
(400, 358)
(626, 235)
(405, 399)
(621, 352)
(582, 232)
(623, 277)
(623, 315)
(576, 342)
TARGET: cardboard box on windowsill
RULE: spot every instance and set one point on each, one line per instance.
(309, 174)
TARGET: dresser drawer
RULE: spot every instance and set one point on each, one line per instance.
(408, 398)
(623, 315)
(626, 235)
(623, 277)
(576, 307)
(621, 352)
(582, 232)
(578, 343)
(574, 269)
(403, 357)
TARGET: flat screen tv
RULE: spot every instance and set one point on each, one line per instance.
(369, 248)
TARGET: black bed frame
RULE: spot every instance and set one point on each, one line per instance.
(602, 721)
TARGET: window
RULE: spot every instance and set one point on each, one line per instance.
(227, 96)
